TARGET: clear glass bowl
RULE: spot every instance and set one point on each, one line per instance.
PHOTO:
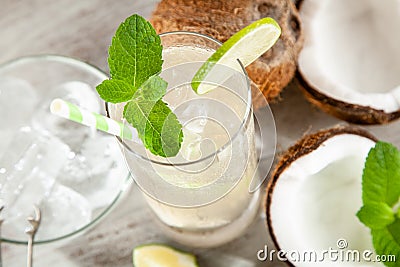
(73, 173)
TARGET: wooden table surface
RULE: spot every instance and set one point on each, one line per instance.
(83, 30)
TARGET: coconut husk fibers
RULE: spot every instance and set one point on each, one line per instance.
(303, 147)
(220, 19)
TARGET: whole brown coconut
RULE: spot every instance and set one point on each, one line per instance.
(222, 18)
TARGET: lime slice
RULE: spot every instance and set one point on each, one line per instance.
(247, 45)
(161, 255)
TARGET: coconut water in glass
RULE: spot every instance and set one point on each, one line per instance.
(201, 197)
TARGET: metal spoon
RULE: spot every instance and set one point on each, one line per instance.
(1, 222)
(31, 231)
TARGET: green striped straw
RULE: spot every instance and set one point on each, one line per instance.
(72, 112)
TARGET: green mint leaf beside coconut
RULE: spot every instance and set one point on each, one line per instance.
(376, 215)
(381, 195)
(381, 176)
(386, 244)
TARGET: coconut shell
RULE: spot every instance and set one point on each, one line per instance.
(358, 114)
(298, 3)
(346, 111)
(303, 147)
(220, 19)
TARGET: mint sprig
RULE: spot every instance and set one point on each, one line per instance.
(115, 91)
(135, 59)
(380, 195)
(157, 126)
(135, 53)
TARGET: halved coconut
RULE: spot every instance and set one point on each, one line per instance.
(314, 195)
(221, 19)
(350, 63)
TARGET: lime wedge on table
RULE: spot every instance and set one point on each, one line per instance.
(161, 255)
(247, 45)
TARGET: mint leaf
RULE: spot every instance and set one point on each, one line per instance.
(157, 126)
(135, 53)
(115, 91)
(385, 244)
(381, 176)
(152, 90)
(394, 229)
(376, 215)
(381, 192)
(135, 59)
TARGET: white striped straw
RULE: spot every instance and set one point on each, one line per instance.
(72, 112)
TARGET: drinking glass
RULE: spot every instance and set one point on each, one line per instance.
(203, 196)
(73, 173)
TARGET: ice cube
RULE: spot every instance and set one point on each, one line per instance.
(177, 95)
(98, 171)
(193, 114)
(18, 100)
(16, 162)
(196, 125)
(191, 145)
(78, 93)
(195, 147)
(98, 152)
(63, 212)
(71, 133)
(92, 160)
(29, 164)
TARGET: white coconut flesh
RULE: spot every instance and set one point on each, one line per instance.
(352, 51)
(315, 200)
